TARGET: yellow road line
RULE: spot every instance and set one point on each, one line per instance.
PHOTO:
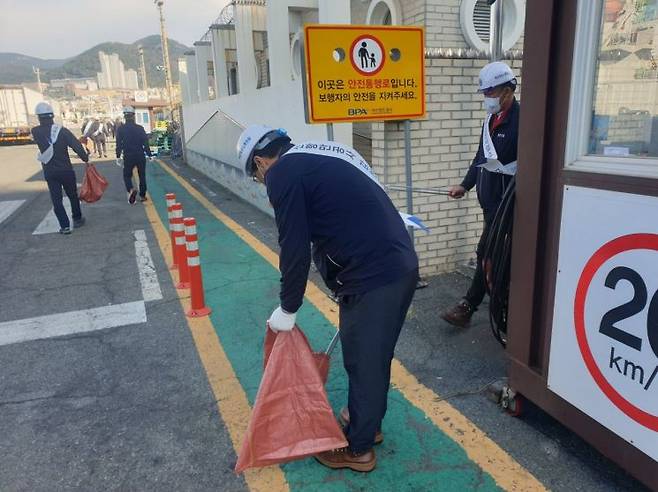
(231, 399)
(506, 471)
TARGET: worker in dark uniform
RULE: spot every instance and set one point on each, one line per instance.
(133, 142)
(53, 142)
(324, 194)
(491, 171)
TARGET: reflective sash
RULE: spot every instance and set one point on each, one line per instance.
(493, 165)
(45, 156)
(351, 156)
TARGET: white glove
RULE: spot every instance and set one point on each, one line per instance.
(119, 161)
(281, 321)
(150, 158)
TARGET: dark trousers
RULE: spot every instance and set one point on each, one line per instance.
(99, 145)
(370, 324)
(478, 288)
(66, 180)
(128, 175)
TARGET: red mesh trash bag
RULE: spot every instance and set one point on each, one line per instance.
(291, 418)
(93, 185)
(321, 359)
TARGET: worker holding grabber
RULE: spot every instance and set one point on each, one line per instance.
(490, 172)
(325, 194)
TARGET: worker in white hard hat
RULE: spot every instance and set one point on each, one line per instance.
(490, 172)
(133, 143)
(324, 194)
(53, 142)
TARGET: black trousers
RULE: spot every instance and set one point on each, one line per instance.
(128, 167)
(370, 324)
(57, 181)
(478, 288)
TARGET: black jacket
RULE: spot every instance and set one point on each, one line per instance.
(359, 240)
(133, 142)
(61, 160)
(491, 186)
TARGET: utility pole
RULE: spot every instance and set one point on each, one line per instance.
(165, 54)
(37, 71)
(142, 67)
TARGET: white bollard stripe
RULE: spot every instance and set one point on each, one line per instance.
(192, 246)
(177, 227)
(180, 241)
(178, 214)
(193, 261)
(190, 230)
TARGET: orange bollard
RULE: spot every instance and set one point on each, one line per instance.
(198, 301)
(171, 199)
(179, 247)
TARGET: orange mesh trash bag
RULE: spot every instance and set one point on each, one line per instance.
(291, 418)
(93, 185)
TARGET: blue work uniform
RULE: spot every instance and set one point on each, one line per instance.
(491, 187)
(364, 253)
(132, 141)
(58, 171)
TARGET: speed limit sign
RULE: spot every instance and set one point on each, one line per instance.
(604, 347)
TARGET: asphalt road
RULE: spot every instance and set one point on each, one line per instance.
(130, 408)
(124, 408)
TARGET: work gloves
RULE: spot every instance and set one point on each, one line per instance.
(119, 161)
(281, 320)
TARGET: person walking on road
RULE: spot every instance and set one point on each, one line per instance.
(53, 142)
(133, 142)
(324, 194)
(99, 138)
(491, 171)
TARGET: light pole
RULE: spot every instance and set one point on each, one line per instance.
(142, 68)
(37, 71)
(165, 54)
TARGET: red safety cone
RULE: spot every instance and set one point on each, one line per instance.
(180, 252)
(171, 199)
(198, 302)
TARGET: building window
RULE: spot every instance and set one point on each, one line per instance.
(613, 119)
(384, 12)
(475, 18)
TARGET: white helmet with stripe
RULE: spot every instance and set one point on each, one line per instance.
(254, 138)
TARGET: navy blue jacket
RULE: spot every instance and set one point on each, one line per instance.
(491, 186)
(61, 160)
(133, 142)
(359, 240)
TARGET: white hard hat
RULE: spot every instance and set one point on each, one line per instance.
(495, 74)
(128, 109)
(43, 108)
(253, 138)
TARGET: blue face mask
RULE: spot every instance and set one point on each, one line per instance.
(492, 105)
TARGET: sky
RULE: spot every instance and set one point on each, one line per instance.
(64, 28)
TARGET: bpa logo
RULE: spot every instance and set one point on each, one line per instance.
(356, 111)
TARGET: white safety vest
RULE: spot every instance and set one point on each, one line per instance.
(493, 164)
(45, 156)
(348, 154)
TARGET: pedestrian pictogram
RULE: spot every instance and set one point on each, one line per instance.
(367, 55)
(604, 342)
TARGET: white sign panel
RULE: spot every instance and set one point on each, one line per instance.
(604, 347)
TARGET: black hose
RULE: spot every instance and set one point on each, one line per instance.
(496, 259)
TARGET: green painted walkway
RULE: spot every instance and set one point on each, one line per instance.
(242, 290)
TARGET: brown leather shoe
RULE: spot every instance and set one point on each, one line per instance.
(344, 419)
(460, 314)
(344, 458)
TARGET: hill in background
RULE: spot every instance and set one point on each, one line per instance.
(16, 68)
